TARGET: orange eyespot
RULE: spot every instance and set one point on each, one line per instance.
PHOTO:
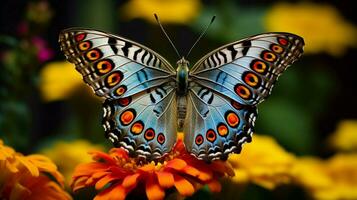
(93, 54)
(161, 138)
(80, 37)
(149, 134)
(199, 140)
(114, 78)
(222, 129)
(269, 56)
(211, 135)
(276, 48)
(283, 41)
(251, 79)
(124, 101)
(104, 66)
(232, 119)
(242, 91)
(120, 90)
(84, 45)
(127, 117)
(259, 66)
(137, 127)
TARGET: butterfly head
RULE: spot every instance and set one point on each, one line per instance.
(183, 62)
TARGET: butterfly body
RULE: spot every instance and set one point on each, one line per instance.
(182, 72)
(146, 100)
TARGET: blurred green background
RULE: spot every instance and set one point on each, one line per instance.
(306, 105)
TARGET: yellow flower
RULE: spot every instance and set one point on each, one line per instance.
(59, 80)
(335, 178)
(322, 27)
(345, 137)
(67, 155)
(263, 162)
(26, 177)
(342, 168)
(310, 173)
(169, 11)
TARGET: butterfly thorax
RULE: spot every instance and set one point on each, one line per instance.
(182, 76)
(181, 90)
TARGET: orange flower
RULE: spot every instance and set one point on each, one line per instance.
(26, 177)
(116, 174)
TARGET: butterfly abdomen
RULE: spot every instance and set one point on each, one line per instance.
(181, 111)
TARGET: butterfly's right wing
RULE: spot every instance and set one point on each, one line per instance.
(226, 86)
(137, 83)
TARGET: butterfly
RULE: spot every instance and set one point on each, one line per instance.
(147, 100)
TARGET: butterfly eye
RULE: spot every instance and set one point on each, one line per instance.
(80, 37)
(283, 41)
(161, 138)
(127, 117)
(222, 129)
(199, 140)
(137, 127)
(251, 79)
(84, 45)
(113, 79)
(259, 66)
(120, 90)
(149, 134)
(242, 91)
(94, 54)
(276, 48)
(211, 135)
(269, 56)
(232, 119)
(104, 66)
(124, 101)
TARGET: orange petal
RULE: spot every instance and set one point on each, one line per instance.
(147, 168)
(19, 191)
(90, 181)
(214, 186)
(119, 152)
(100, 174)
(153, 189)
(131, 180)
(104, 181)
(116, 192)
(29, 166)
(166, 179)
(98, 155)
(42, 163)
(89, 168)
(183, 186)
(176, 163)
(222, 167)
(191, 171)
(179, 146)
(78, 183)
(205, 174)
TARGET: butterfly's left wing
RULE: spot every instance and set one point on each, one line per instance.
(225, 87)
(138, 86)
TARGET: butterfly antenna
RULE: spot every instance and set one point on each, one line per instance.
(167, 36)
(202, 34)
